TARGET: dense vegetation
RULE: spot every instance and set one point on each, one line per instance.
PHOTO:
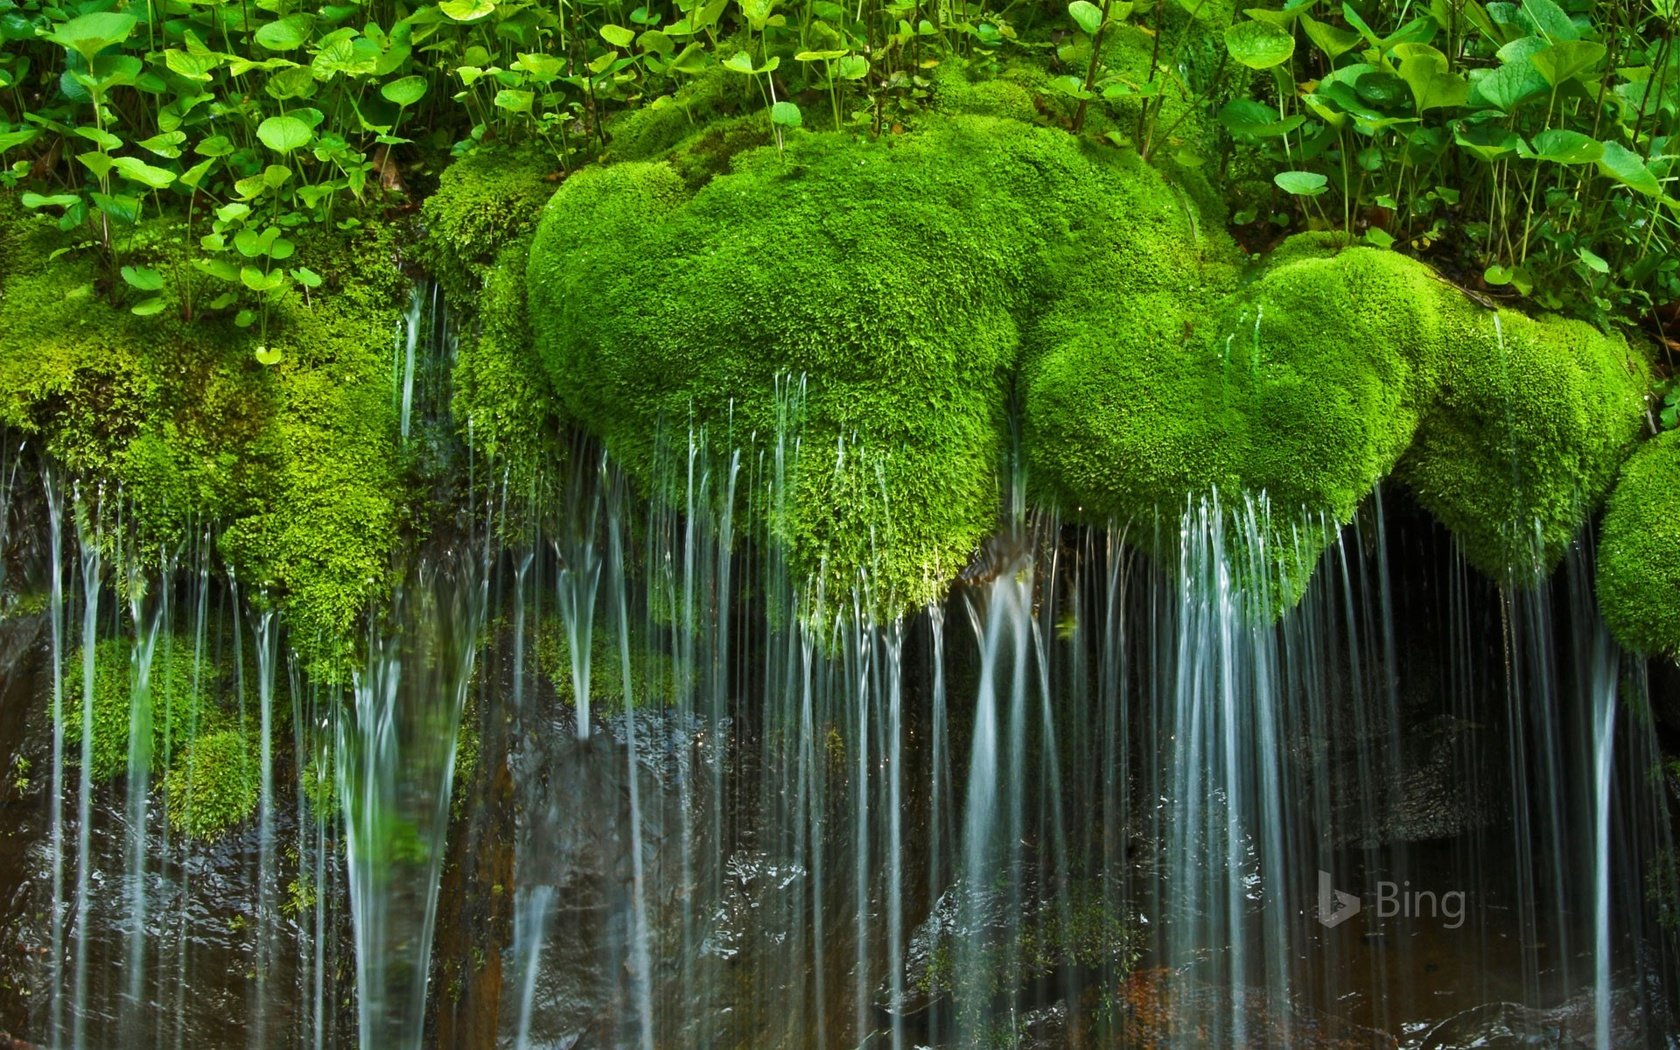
(947, 214)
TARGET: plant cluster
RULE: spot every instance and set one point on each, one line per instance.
(1526, 147)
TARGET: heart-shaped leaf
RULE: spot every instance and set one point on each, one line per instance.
(1328, 38)
(1626, 167)
(1301, 183)
(1562, 146)
(87, 35)
(284, 134)
(268, 356)
(1087, 16)
(144, 278)
(404, 92)
(786, 114)
(1567, 60)
(466, 10)
(1259, 45)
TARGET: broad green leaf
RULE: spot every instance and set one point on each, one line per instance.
(1087, 16)
(1562, 146)
(1489, 142)
(1567, 59)
(1424, 69)
(220, 269)
(852, 67)
(19, 137)
(193, 177)
(1259, 45)
(1627, 168)
(786, 114)
(87, 35)
(165, 144)
(690, 61)
(1301, 183)
(466, 10)
(1593, 260)
(288, 34)
(100, 137)
(214, 146)
(268, 356)
(142, 277)
(404, 92)
(1328, 38)
(191, 66)
(307, 277)
(1247, 119)
(119, 207)
(1511, 84)
(284, 134)
(275, 175)
(58, 200)
(96, 162)
(514, 101)
(1550, 19)
(147, 307)
(616, 35)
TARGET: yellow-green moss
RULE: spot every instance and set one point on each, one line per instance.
(213, 785)
(177, 703)
(1639, 551)
(178, 420)
(654, 675)
(484, 201)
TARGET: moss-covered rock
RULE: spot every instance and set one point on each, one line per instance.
(1639, 551)
(177, 704)
(176, 417)
(484, 201)
(655, 679)
(1148, 367)
(213, 785)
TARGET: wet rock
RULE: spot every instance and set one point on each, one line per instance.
(1158, 1008)
(1511, 1026)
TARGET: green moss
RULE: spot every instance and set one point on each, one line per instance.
(484, 201)
(1639, 552)
(297, 461)
(213, 785)
(654, 675)
(858, 266)
(1530, 420)
(178, 705)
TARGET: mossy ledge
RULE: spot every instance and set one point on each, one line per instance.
(1639, 551)
(921, 282)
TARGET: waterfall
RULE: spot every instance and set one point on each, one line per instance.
(1101, 792)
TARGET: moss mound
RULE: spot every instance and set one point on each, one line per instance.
(1148, 366)
(858, 272)
(213, 786)
(1639, 552)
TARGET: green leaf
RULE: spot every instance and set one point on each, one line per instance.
(307, 277)
(1567, 60)
(101, 138)
(284, 134)
(142, 277)
(1087, 16)
(1562, 146)
(466, 10)
(852, 67)
(1593, 260)
(1625, 166)
(1498, 276)
(1301, 183)
(514, 100)
(147, 307)
(818, 56)
(406, 91)
(165, 144)
(1328, 38)
(96, 162)
(1550, 19)
(1511, 84)
(1259, 45)
(1379, 237)
(88, 35)
(268, 356)
(288, 34)
(57, 200)
(616, 35)
(1489, 142)
(191, 66)
(1424, 69)
(786, 114)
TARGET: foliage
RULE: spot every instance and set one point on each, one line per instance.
(1528, 147)
(1639, 553)
(212, 786)
(177, 703)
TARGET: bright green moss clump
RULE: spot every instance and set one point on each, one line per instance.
(213, 786)
(915, 284)
(1639, 552)
(889, 280)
